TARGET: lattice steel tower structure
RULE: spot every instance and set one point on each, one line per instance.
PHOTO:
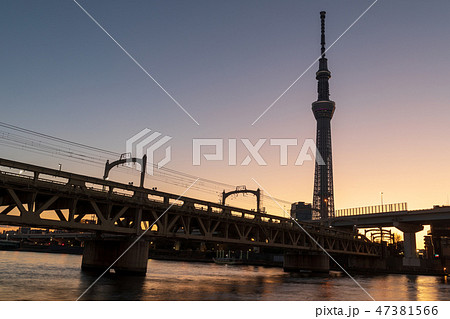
(323, 109)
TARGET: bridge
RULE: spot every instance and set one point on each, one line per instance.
(407, 221)
(393, 218)
(41, 197)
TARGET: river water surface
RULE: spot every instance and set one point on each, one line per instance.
(42, 276)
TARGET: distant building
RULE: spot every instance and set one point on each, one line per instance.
(301, 211)
(29, 231)
(24, 230)
(440, 236)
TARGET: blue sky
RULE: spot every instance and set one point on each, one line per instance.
(226, 62)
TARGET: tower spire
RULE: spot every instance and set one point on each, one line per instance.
(323, 109)
(323, 75)
(322, 42)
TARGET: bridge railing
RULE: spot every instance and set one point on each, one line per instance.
(377, 209)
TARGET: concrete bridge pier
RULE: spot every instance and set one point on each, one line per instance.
(409, 243)
(100, 254)
(308, 262)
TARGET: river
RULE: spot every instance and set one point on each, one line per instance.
(44, 276)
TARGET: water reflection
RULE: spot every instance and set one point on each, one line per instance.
(112, 287)
(39, 276)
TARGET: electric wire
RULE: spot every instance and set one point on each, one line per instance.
(48, 145)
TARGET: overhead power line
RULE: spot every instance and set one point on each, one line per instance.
(49, 145)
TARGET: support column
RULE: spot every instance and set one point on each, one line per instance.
(311, 262)
(409, 243)
(135, 260)
(100, 254)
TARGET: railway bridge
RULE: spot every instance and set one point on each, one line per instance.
(35, 196)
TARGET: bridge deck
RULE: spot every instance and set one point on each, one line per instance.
(389, 219)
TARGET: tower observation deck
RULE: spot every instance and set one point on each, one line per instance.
(323, 109)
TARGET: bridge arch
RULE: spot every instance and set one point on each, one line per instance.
(244, 190)
(124, 159)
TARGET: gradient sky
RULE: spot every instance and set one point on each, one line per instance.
(226, 62)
